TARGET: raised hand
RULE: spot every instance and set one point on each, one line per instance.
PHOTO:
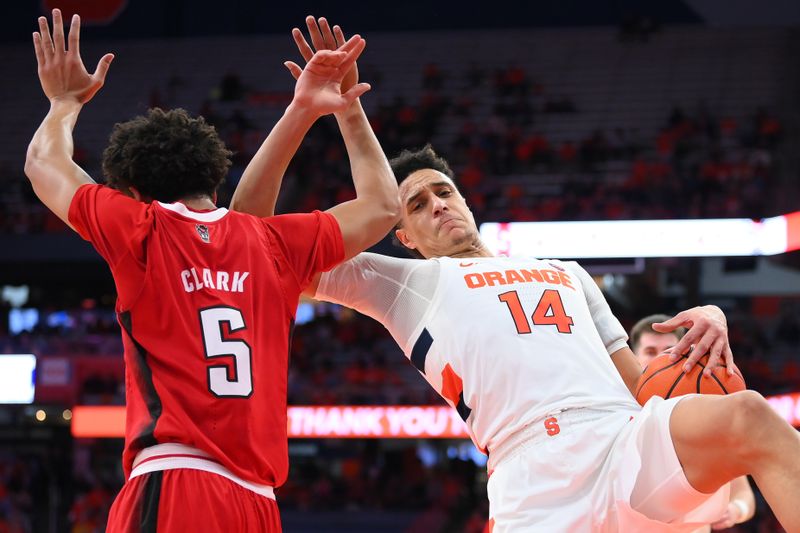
(323, 38)
(319, 85)
(61, 70)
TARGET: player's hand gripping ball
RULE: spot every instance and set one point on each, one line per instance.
(667, 379)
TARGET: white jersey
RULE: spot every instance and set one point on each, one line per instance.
(505, 341)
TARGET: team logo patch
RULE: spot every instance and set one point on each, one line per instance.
(202, 230)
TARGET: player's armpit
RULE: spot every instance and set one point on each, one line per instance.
(628, 367)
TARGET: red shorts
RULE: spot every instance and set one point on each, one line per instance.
(185, 499)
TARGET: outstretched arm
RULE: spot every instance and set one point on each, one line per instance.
(365, 220)
(376, 187)
(66, 83)
(376, 209)
(257, 192)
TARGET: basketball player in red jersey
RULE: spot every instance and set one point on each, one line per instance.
(545, 388)
(206, 297)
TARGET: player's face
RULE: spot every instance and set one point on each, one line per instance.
(653, 344)
(435, 218)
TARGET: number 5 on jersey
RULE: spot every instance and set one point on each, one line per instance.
(219, 383)
(549, 312)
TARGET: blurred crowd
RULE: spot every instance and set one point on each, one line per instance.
(16, 488)
(698, 164)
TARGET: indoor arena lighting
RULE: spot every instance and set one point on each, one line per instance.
(645, 238)
(375, 422)
(788, 406)
(344, 421)
(17, 378)
(336, 422)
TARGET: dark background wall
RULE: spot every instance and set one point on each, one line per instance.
(181, 18)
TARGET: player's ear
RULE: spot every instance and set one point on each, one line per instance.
(404, 239)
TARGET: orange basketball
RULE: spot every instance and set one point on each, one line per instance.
(665, 378)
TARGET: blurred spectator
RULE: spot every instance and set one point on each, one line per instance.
(432, 77)
(231, 88)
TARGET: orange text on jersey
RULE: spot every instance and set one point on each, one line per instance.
(476, 280)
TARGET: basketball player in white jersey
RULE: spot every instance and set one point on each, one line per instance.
(529, 353)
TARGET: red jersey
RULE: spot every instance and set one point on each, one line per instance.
(206, 301)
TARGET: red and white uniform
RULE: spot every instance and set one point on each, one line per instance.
(520, 347)
(206, 301)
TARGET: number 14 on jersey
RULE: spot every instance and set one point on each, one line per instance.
(548, 312)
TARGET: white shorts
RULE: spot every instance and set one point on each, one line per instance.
(600, 471)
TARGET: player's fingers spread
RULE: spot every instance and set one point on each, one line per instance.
(314, 33)
(728, 354)
(690, 362)
(679, 350)
(58, 32)
(75, 35)
(703, 346)
(294, 69)
(356, 91)
(327, 34)
(102, 67)
(347, 45)
(685, 344)
(670, 325)
(37, 47)
(44, 32)
(699, 350)
(673, 355)
(339, 34)
(350, 43)
(714, 357)
(353, 55)
(302, 45)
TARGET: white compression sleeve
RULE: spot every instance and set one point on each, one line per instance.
(611, 331)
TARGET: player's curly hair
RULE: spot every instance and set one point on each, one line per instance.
(166, 156)
(408, 162)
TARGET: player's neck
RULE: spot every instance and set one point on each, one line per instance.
(202, 203)
(475, 249)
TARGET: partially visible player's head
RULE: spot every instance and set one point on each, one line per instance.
(166, 156)
(647, 343)
(435, 220)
